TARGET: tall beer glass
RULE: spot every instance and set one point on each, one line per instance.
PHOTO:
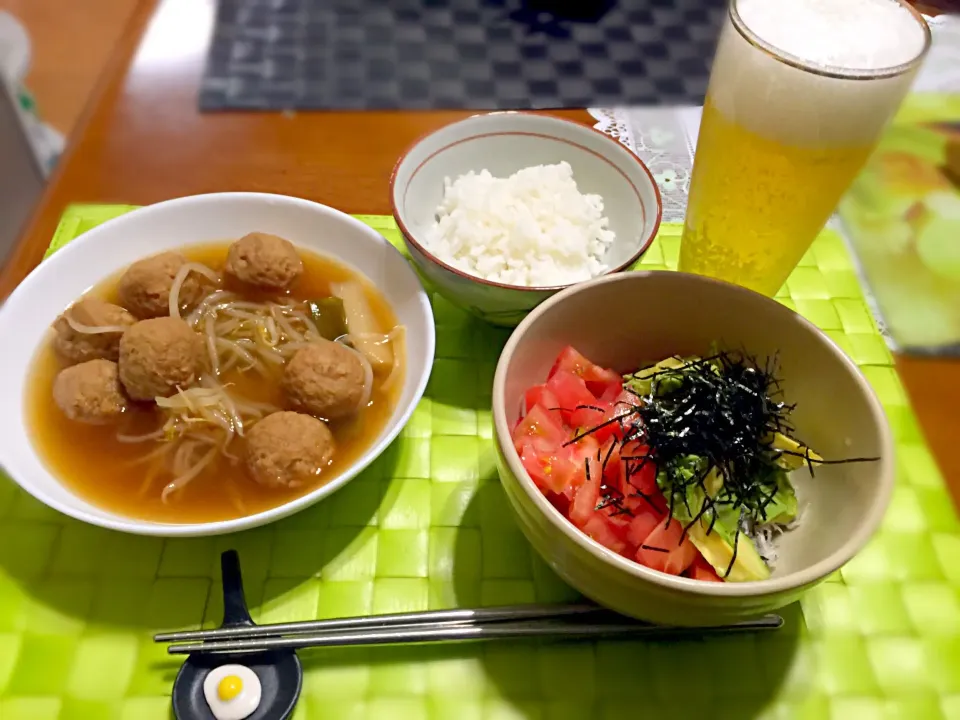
(788, 121)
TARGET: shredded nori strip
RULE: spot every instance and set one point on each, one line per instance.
(606, 459)
(584, 433)
(811, 461)
(708, 504)
(736, 545)
(654, 548)
(722, 410)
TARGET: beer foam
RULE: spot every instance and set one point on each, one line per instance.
(848, 34)
(756, 90)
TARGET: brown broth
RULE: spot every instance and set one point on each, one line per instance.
(112, 475)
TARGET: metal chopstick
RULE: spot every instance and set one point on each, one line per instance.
(453, 632)
(431, 617)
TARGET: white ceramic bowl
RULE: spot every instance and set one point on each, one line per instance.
(504, 143)
(837, 413)
(107, 249)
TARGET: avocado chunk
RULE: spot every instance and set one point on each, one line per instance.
(717, 549)
(792, 454)
(783, 507)
(716, 543)
(685, 502)
(657, 379)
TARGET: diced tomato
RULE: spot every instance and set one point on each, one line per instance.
(532, 396)
(571, 443)
(577, 455)
(541, 395)
(597, 378)
(618, 420)
(702, 570)
(626, 402)
(601, 420)
(585, 448)
(571, 393)
(637, 480)
(535, 463)
(609, 389)
(591, 416)
(617, 417)
(592, 497)
(623, 406)
(575, 484)
(550, 469)
(638, 473)
(612, 393)
(667, 550)
(626, 399)
(643, 523)
(538, 424)
(597, 528)
(619, 413)
(584, 505)
(614, 513)
(648, 503)
(560, 501)
(610, 461)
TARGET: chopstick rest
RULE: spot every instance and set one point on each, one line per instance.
(278, 673)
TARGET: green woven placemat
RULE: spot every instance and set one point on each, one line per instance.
(428, 526)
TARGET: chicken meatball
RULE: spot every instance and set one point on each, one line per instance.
(86, 339)
(325, 379)
(159, 355)
(145, 287)
(90, 392)
(264, 261)
(287, 449)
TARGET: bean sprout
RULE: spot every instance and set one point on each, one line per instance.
(237, 351)
(173, 301)
(213, 298)
(200, 423)
(155, 435)
(209, 333)
(158, 457)
(183, 479)
(207, 416)
(367, 377)
(262, 334)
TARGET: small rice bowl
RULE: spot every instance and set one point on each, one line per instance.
(532, 229)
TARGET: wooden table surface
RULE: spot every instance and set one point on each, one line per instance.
(142, 140)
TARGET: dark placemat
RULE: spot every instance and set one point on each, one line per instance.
(480, 54)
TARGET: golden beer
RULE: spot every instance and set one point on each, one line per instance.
(780, 140)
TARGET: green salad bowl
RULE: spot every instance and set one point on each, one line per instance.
(631, 320)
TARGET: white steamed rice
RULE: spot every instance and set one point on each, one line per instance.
(534, 228)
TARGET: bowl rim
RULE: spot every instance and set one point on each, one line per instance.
(137, 526)
(523, 116)
(870, 520)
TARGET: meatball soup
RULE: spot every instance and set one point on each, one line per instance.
(216, 382)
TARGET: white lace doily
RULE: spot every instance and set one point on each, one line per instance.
(658, 136)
